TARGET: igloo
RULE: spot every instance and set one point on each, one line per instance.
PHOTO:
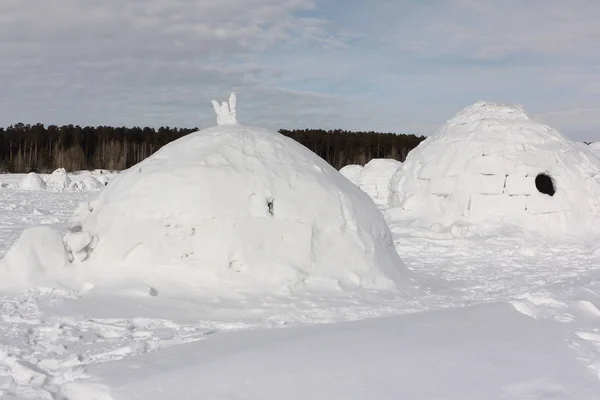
(32, 181)
(492, 164)
(240, 209)
(58, 180)
(351, 172)
(374, 179)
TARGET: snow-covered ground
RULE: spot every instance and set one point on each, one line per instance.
(236, 264)
(497, 319)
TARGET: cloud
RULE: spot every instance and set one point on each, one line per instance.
(387, 65)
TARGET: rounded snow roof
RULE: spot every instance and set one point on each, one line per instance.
(32, 181)
(351, 172)
(481, 167)
(241, 208)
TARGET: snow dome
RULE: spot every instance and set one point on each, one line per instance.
(236, 208)
(492, 164)
(374, 179)
(32, 181)
(351, 172)
(58, 180)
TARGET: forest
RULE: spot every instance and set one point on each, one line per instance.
(39, 148)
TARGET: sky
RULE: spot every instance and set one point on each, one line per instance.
(402, 66)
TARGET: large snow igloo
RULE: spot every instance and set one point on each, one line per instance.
(237, 208)
(492, 164)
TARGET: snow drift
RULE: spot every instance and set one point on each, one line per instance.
(241, 208)
(493, 164)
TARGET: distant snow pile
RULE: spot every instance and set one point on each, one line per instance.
(58, 180)
(374, 179)
(351, 172)
(32, 181)
(492, 164)
(239, 209)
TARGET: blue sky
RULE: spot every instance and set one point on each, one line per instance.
(385, 65)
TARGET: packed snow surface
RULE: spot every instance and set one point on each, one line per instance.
(480, 170)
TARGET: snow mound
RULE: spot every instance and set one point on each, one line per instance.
(59, 180)
(34, 257)
(374, 179)
(32, 181)
(492, 164)
(236, 208)
(86, 183)
(351, 172)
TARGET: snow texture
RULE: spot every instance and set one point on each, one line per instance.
(595, 146)
(237, 208)
(480, 169)
(351, 172)
(467, 354)
(32, 181)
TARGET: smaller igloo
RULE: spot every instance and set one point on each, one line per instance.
(374, 179)
(351, 172)
(32, 181)
(492, 165)
(58, 180)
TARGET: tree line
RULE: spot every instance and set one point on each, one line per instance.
(39, 148)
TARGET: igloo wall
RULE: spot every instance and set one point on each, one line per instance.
(480, 168)
(241, 209)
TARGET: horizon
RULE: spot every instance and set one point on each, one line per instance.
(385, 66)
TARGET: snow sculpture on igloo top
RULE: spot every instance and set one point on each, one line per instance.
(236, 208)
(492, 164)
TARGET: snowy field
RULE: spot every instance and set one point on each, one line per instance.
(498, 319)
(235, 264)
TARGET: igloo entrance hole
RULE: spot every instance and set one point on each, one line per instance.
(545, 184)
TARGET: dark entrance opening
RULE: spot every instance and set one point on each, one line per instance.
(545, 184)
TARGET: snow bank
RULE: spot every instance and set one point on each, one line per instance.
(482, 169)
(351, 172)
(374, 179)
(32, 181)
(59, 180)
(595, 146)
(33, 259)
(236, 208)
